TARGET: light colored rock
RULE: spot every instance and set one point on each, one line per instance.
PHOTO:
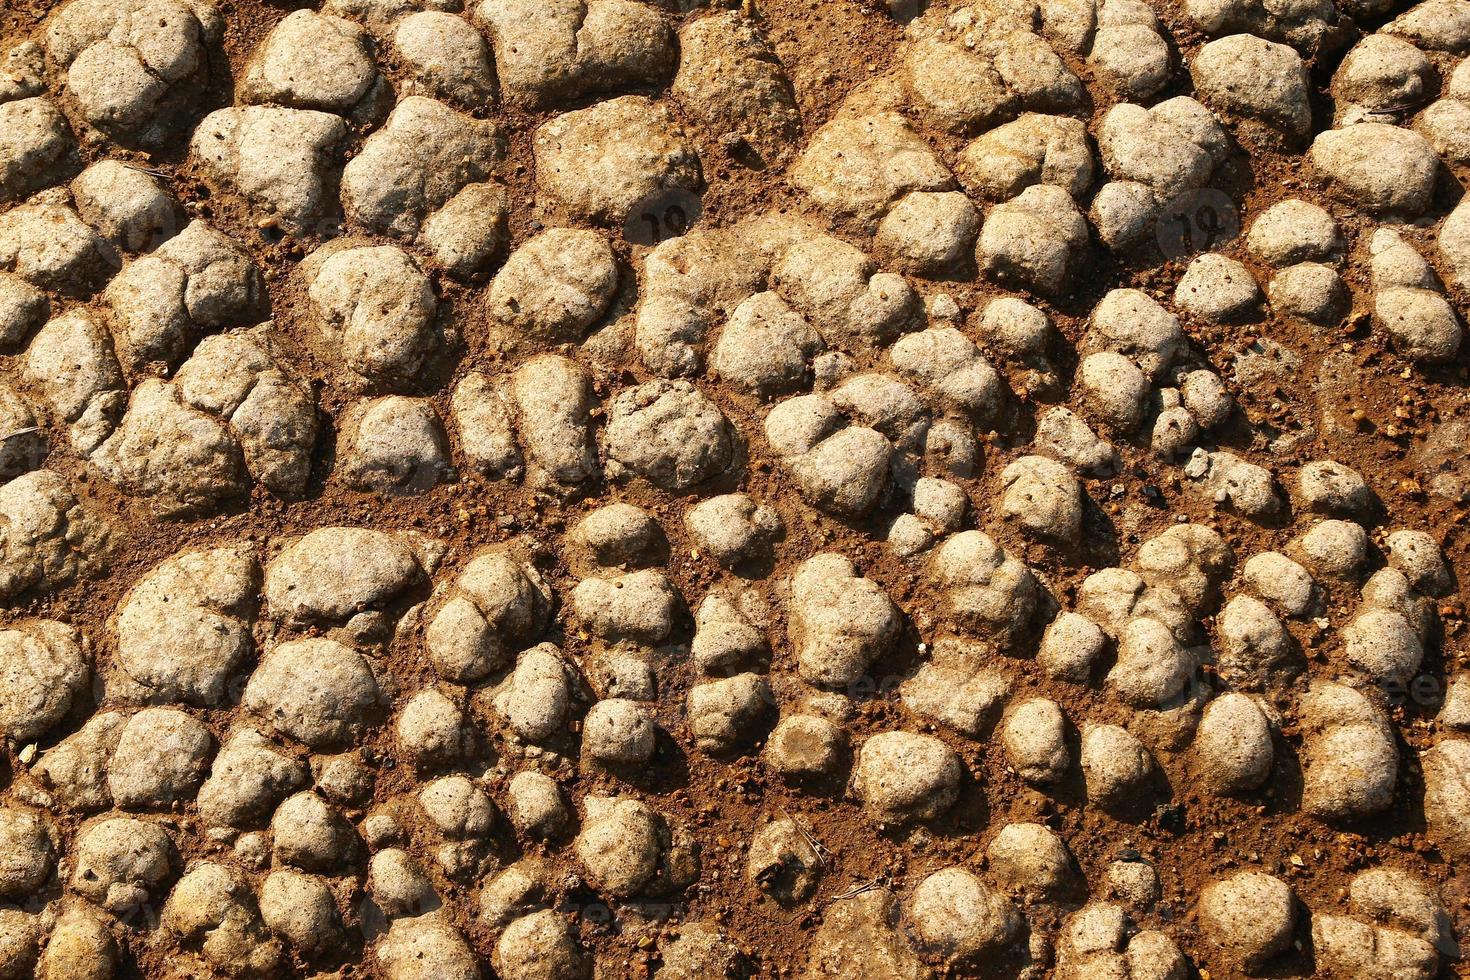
(929, 234)
(1035, 741)
(1071, 647)
(540, 945)
(1418, 556)
(602, 163)
(958, 914)
(375, 309)
(80, 948)
(859, 938)
(412, 944)
(27, 854)
(729, 714)
(314, 61)
(1381, 76)
(1350, 758)
(1249, 918)
(1385, 169)
(136, 70)
(301, 909)
(732, 81)
(804, 746)
(1034, 149)
(128, 206)
(839, 621)
(1114, 390)
(37, 148)
(1233, 746)
(1035, 240)
(497, 605)
(669, 433)
(855, 167)
(446, 58)
(159, 760)
(310, 834)
(280, 160)
(315, 690)
(1044, 498)
(1099, 940)
(121, 863)
(551, 55)
(45, 667)
(212, 906)
(1217, 288)
(988, 592)
(415, 164)
(537, 700)
(1293, 231)
(49, 246)
(196, 283)
(902, 777)
(554, 288)
(23, 308)
(1129, 53)
(250, 775)
(1259, 79)
(1116, 768)
(393, 445)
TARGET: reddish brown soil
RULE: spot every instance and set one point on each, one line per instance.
(828, 47)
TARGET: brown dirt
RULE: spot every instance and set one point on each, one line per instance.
(828, 47)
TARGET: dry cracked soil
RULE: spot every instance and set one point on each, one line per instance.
(568, 489)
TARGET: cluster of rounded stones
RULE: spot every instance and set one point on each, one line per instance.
(829, 625)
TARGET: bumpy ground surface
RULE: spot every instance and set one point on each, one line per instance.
(552, 489)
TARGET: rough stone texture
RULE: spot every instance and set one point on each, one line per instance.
(1385, 169)
(49, 246)
(495, 605)
(280, 160)
(1034, 240)
(855, 168)
(230, 417)
(393, 445)
(447, 58)
(603, 163)
(198, 282)
(1256, 78)
(1034, 149)
(554, 288)
(955, 912)
(136, 69)
(670, 434)
(571, 489)
(317, 691)
(376, 311)
(314, 61)
(1351, 761)
(415, 164)
(46, 668)
(903, 777)
(123, 862)
(48, 537)
(37, 149)
(1249, 917)
(837, 467)
(547, 55)
(184, 629)
(735, 85)
(840, 622)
